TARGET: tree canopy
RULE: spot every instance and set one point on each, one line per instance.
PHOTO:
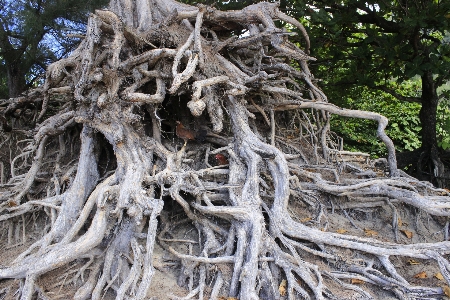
(382, 45)
(373, 42)
(35, 33)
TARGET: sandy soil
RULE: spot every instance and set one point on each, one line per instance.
(376, 222)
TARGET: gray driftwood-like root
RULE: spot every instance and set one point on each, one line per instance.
(103, 173)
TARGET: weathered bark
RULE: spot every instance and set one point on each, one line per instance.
(146, 64)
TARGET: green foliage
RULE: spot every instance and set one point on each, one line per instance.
(385, 39)
(443, 115)
(443, 128)
(360, 135)
(362, 45)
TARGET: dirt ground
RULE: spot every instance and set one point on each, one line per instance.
(374, 222)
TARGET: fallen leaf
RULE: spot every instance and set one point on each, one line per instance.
(282, 288)
(341, 231)
(421, 275)
(370, 232)
(304, 220)
(357, 281)
(408, 234)
(401, 222)
(446, 290)
(439, 276)
(289, 137)
(413, 262)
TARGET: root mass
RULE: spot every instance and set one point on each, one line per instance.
(100, 178)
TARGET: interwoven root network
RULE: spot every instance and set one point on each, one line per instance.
(98, 177)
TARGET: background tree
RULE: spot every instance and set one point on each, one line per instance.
(35, 33)
(381, 45)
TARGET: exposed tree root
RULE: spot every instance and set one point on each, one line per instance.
(103, 167)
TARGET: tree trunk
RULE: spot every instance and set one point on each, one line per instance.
(16, 78)
(429, 166)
